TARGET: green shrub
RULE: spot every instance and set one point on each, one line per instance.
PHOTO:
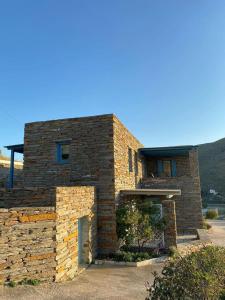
(199, 275)
(136, 223)
(12, 283)
(172, 251)
(130, 256)
(211, 214)
(30, 281)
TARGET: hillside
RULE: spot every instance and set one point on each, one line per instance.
(212, 168)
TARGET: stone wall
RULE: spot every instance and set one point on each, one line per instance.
(38, 241)
(91, 163)
(27, 197)
(189, 204)
(123, 140)
(27, 243)
(170, 233)
(71, 204)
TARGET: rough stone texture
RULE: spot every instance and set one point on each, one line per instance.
(70, 206)
(91, 163)
(4, 173)
(27, 197)
(40, 241)
(189, 204)
(170, 233)
(27, 249)
(99, 157)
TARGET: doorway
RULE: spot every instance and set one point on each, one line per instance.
(83, 241)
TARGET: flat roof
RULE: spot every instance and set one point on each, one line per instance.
(152, 192)
(167, 151)
(19, 148)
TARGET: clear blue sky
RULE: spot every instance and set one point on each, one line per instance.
(158, 65)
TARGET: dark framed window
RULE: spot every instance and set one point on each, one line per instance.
(130, 160)
(166, 168)
(136, 163)
(63, 152)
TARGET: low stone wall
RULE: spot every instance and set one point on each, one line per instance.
(27, 243)
(27, 197)
(40, 241)
(73, 203)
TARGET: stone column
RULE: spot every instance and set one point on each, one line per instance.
(170, 233)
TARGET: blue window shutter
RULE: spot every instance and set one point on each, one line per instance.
(174, 168)
(159, 167)
(58, 154)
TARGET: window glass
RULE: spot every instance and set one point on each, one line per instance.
(136, 162)
(167, 168)
(63, 152)
(130, 162)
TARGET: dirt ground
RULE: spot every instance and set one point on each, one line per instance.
(97, 282)
(217, 232)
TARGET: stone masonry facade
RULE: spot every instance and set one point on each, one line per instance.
(38, 232)
(188, 205)
(58, 197)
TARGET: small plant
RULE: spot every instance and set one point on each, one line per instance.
(12, 283)
(173, 251)
(30, 281)
(206, 225)
(211, 214)
(129, 256)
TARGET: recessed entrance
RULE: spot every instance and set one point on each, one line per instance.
(83, 241)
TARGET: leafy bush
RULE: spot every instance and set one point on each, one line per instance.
(137, 222)
(211, 214)
(199, 275)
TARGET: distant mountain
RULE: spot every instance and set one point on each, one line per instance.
(212, 170)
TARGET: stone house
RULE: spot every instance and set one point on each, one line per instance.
(82, 169)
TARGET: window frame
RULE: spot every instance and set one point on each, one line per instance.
(59, 152)
(136, 162)
(130, 160)
(173, 168)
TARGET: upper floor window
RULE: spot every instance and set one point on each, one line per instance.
(130, 160)
(136, 162)
(166, 168)
(63, 152)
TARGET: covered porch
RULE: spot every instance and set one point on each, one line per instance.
(164, 198)
(14, 149)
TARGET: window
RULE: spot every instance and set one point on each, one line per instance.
(166, 168)
(130, 161)
(63, 152)
(136, 163)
